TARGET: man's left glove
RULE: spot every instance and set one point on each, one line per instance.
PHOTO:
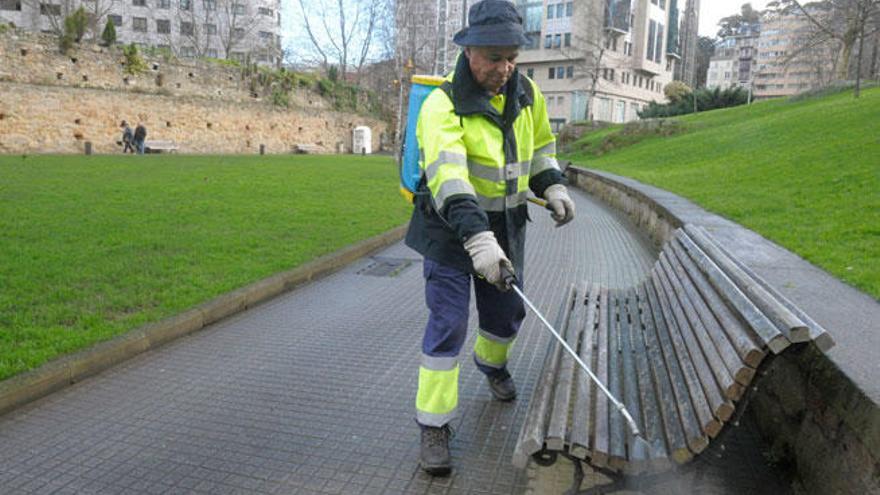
(560, 204)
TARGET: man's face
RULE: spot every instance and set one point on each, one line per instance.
(492, 66)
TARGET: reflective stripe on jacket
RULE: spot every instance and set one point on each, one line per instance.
(480, 156)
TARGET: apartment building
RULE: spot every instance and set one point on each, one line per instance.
(735, 59)
(425, 29)
(787, 61)
(235, 29)
(623, 52)
(685, 71)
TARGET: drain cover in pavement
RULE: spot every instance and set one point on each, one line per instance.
(385, 267)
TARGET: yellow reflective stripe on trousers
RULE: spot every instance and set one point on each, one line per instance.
(437, 398)
(491, 352)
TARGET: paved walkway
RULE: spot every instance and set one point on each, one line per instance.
(313, 392)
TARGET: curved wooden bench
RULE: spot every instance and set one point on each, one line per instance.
(680, 350)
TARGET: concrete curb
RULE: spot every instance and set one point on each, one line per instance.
(64, 371)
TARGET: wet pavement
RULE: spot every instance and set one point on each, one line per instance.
(314, 391)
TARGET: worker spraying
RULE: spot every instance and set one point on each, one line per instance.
(484, 142)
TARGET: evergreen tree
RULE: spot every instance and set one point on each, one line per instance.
(109, 34)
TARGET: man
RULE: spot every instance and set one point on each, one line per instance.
(140, 135)
(126, 138)
(485, 140)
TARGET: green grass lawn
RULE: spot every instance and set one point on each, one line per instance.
(805, 174)
(95, 246)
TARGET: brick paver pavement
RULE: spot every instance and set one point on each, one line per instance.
(313, 392)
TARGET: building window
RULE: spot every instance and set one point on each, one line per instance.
(550, 10)
(163, 26)
(551, 73)
(560, 10)
(663, 4)
(187, 52)
(211, 29)
(50, 9)
(115, 19)
(658, 56)
(560, 100)
(265, 11)
(185, 4)
(652, 33)
(548, 41)
(164, 4)
(569, 72)
(530, 73)
(560, 72)
(534, 41)
(569, 8)
(239, 9)
(210, 5)
(265, 36)
(557, 40)
(238, 33)
(567, 41)
(186, 28)
(139, 24)
(139, 3)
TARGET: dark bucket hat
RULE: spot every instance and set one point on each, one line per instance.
(492, 23)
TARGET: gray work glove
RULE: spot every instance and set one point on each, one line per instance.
(560, 204)
(488, 257)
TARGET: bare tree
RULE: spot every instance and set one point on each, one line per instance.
(55, 12)
(340, 32)
(235, 25)
(848, 22)
(197, 26)
(590, 47)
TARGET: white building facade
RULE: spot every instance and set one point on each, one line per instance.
(233, 29)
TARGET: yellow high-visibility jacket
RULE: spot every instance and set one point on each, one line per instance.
(480, 156)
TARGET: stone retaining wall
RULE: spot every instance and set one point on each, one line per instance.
(54, 103)
(814, 415)
(52, 119)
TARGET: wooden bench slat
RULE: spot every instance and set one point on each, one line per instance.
(582, 415)
(617, 429)
(704, 404)
(771, 336)
(743, 338)
(742, 372)
(649, 413)
(816, 332)
(600, 446)
(532, 436)
(708, 372)
(790, 325)
(723, 370)
(671, 424)
(637, 455)
(557, 429)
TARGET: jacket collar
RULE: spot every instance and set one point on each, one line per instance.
(469, 98)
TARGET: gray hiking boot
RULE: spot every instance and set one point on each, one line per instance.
(435, 450)
(502, 386)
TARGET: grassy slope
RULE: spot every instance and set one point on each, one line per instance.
(805, 174)
(94, 246)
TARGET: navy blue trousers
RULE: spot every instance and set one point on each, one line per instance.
(447, 294)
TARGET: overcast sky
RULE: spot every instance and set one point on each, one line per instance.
(711, 11)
